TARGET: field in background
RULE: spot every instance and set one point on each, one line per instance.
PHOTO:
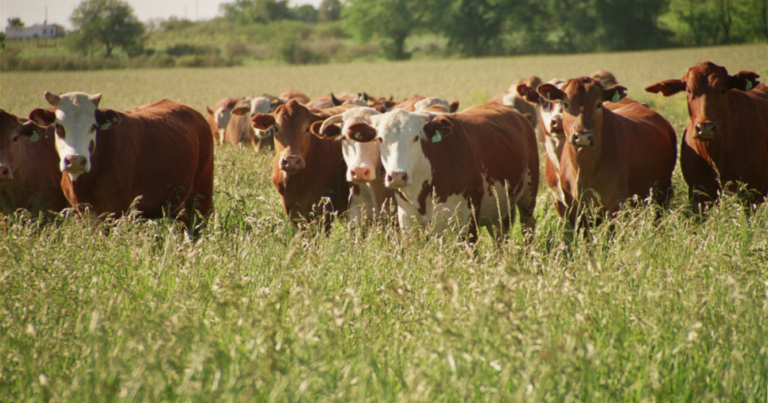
(257, 310)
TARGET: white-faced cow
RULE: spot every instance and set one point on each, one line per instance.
(610, 155)
(162, 152)
(29, 167)
(240, 130)
(219, 116)
(369, 197)
(726, 139)
(477, 165)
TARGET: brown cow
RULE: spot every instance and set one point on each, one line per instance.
(410, 104)
(306, 170)
(219, 117)
(610, 155)
(477, 166)
(162, 152)
(29, 167)
(325, 101)
(293, 94)
(240, 131)
(726, 139)
(605, 77)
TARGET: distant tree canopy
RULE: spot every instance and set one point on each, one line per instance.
(265, 11)
(330, 10)
(15, 22)
(108, 22)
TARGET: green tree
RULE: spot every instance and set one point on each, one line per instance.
(305, 13)
(389, 21)
(474, 27)
(15, 22)
(631, 24)
(261, 11)
(330, 10)
(109, 22)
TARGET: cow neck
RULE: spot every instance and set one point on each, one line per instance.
(87, 182)
(582, 164)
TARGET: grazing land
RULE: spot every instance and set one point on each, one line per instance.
(257, 310)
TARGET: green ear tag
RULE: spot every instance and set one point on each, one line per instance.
(357, 135)
(616, 97)
(548, 97)
(34, 137)
(749, 85)
(105, 126)
(437, 137)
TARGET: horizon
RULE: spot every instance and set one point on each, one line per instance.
(33, 12)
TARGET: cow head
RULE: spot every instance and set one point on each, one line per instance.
(14, 131)
(708, 87)
(582, 101)
(362, 158)
(78, 122)
(605, 77)
(291, 123)
(253, 107)
(550, 113)
(401, 135)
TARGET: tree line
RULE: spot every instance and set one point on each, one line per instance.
(471, 28)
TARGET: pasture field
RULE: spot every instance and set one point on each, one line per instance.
(257, 310)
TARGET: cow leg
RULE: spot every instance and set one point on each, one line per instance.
(526, 205)
(700, 177)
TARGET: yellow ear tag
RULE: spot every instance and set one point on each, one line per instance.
(34, 137)
(749, 85)
(105, 126)
(616, 97)
(437, 137)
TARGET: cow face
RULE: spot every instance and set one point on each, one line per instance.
(707, 86)
(291, 123)
(401, 135)
(362, 158)
(222, 116)
(582, 102)
(78, 122)
(253, 107)
(14, 131)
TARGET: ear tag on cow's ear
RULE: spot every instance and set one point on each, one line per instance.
(105, 126)
(616, 97)
(749, 85)
(437, 137)
(34, 137)
(357, 135)
(549, 98)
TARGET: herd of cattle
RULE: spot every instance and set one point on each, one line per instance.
(359, 154)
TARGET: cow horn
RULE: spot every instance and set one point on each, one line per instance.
(331, 121)
(95, 99)
(52, 99)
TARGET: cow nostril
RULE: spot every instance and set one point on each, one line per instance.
(389, 178)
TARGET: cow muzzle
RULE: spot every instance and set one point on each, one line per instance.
(397, 179)
(75, 164)
(556, 124)
(705, 131)
(292, 163)
(6, 174)
(583, 139)
(361, 175)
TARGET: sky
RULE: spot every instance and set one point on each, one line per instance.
(59, 11)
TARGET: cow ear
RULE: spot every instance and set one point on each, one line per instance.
(106, 119)
(743, 80)
(29, 128)
(335, 100)
(325, 131)
(454, 106)
(667, 87)
(42, 117)
(437, 128)
(615, 94)
(362, 132)
(550, 92)
(208, 109)
(231, 103)
(528, 94)
(240, 110)
(263, 121)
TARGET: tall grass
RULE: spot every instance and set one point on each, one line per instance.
(257, 310)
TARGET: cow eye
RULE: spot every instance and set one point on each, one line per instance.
(565, 105)
(599, 105)
(380, 140)
(15, 138)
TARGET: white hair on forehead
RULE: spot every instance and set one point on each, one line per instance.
(430, 101)
(260, 105)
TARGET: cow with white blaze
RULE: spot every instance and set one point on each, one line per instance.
(162, 152)
(369, 197)
(240, 131)
(477, 165)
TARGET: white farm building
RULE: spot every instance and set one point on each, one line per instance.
(37, 31)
